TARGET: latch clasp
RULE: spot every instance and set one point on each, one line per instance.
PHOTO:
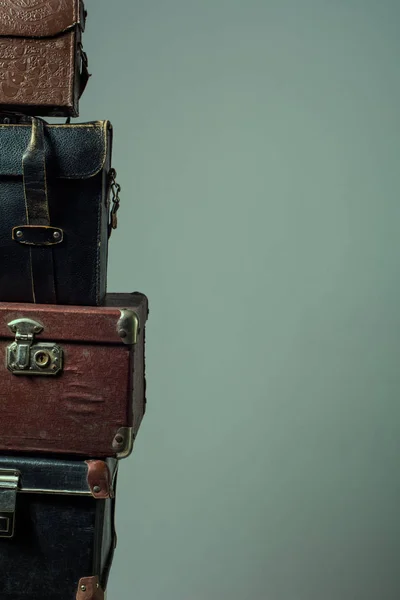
(9, 482)
(24, 357)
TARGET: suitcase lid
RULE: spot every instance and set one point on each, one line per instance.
(73, 151)
(91, 478)
(38, 19)
(119, 321)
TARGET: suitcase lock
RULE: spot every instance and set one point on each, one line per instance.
(9, 480)
(25, 357)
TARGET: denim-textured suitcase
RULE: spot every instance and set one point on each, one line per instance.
(57, 534)
(72, 377)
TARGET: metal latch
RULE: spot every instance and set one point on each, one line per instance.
(9, 481)
(25, 357)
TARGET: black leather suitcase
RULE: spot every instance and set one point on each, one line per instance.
(57, 534)
(58, 202)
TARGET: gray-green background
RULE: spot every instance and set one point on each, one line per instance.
(257, 143)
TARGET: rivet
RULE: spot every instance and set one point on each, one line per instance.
(19, 234)
(122, 333)
(56, 235)
(83, 588)
(119, 438)
(97, 489)
(97, 585)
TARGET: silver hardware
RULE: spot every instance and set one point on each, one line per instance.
(97, 489)
(9, 481)
(25, 357)
(19, 234)
(128, 327)
(83, 588)
(123, 442)
(56, 235)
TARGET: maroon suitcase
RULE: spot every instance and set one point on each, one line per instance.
(72, 377)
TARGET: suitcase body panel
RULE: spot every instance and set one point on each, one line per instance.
(78, 162)
(40, 56)
(94, 405)
(61, 532)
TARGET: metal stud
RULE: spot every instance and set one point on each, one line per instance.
(119, 438)
(56, 235)
(83, 588)
(122, 333)
(97, 585)
(19, 234)
(97, 489)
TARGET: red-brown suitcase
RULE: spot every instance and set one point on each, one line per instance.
(72, 378)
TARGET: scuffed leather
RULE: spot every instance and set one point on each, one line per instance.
(100, 389)
(37, 213)
(78, 159)
(38, 18)
(89, 588)
(99, 479)
(41, 66)
(74, 151)
(58, 537)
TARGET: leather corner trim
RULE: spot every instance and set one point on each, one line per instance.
(99, 479)
(37, 235)
(89, 589)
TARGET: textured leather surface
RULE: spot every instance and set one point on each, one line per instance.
(78, 159)
(59, 539)
(74, 151)
(89, 588)
(100, 390)
(41, 68)
(37, 213)
(38, 18)
(99, 479)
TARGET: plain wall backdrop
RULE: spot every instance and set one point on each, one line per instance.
(257, 144)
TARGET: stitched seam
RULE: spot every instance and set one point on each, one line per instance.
(104, 126)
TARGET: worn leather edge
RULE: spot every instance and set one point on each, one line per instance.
(99, 479)
(89, 589)
(77, 21)
(105, 127)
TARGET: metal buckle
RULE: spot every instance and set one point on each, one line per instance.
(24, 357)
(9, 482)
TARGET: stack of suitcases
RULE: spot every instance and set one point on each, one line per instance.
(72, 369)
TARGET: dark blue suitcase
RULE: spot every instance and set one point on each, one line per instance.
(57, 534)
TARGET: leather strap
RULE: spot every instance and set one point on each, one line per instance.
(37, 213)
(89, 589)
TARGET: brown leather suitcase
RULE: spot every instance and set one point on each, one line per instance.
(72, 377)
(43, 69)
